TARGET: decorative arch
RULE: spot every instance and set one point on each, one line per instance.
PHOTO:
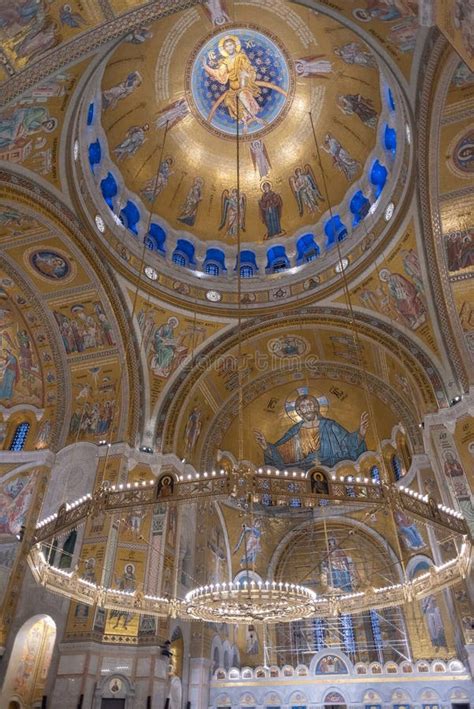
(438, 54)
(419, 364)
(29, 661)
(45, 203)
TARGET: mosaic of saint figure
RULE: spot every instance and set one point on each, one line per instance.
(341, 158)
(355, 53)
(259, 155)
(236, 71)
(193, 430)
(126, 582)
(405, 298)
(356, 104)
(15, 498)
(133, 141)
(434, 622)
(337, 569)
(172, 114)
(460, 249)
(454, 471)
(386, 10)
(249, 541)
(216, 11)
(412, 268)
(314, 439)
(270, 205)
(17, 126)
(110, 97)
(193, 198)
(231, 212)
(155, 185)
(304, 187)
(168, 350)
(10, 374)
(312, 66)
(409, 531)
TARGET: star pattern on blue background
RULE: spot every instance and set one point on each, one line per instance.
(270, 67)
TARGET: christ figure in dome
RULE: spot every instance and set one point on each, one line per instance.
(235, 71)
(314, 439)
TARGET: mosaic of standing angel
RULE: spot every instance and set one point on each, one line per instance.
(216, 11)
(307, 67)
(304, 186)
(341, 158)
(233, 211)
(110, 97)
(133, 141)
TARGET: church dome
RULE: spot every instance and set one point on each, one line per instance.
(310, 113)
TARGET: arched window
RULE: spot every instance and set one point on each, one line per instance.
(19, 437)
(212, 269)
(279, 266)
(246, 272)
(396, 467)
(65, 559)
(179, 259)
(375, 474)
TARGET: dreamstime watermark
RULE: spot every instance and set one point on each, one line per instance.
(251, 362)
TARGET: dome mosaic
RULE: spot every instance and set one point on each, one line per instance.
(277, 127)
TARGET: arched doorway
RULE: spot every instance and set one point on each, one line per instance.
(27, 673)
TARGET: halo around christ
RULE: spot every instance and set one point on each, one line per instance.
(240, 74)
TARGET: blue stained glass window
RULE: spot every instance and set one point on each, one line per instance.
(212, 269)
(376, 632)
(396, 467)
(390, 139)
(246, 271)
(19, 437)
(179, 259)
(319, 626)
(90, 114)
(348, 637)
(375, 474)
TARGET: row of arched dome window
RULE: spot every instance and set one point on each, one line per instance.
(214, 263)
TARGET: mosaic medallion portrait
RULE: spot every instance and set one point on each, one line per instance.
(240, 80)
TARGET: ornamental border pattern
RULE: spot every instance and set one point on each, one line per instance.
(435, 47)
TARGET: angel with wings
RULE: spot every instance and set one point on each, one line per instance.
(230, 209)
(304, 186)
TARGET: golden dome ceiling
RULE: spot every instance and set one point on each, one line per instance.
(317, 141)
